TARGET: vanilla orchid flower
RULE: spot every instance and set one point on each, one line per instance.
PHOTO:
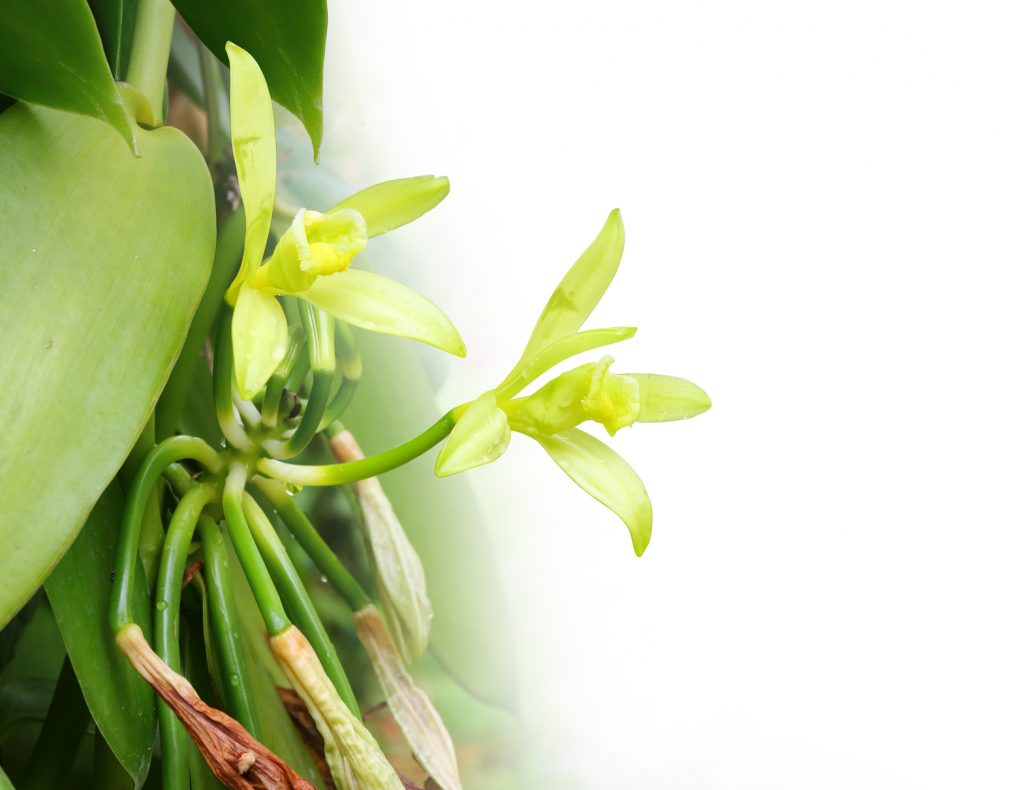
(591, 392)
(311, 260)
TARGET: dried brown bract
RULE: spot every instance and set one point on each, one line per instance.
(235, 757)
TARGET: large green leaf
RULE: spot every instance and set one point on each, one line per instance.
(116, 21)
(103, 262)
(121, 702)
(51, 54)
(287, 40)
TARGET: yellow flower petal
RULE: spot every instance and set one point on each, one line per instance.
(665, 398)
(581, 288)
(254, 145)
(381, 304)
(391, 204)
(603, 474)
(259, 338)
(480, 436)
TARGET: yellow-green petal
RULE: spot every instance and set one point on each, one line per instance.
(391, 204)
(666, 398)
(481, 435)
(380, 304)
(254, 146)
(259, 339)
(529, 369)
(603, 474)
(581, 288)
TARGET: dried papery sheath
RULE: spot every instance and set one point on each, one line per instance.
(401, 582)
(355, 759)
(415, 714)
(237, 759)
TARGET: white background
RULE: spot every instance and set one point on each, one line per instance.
(823, 205)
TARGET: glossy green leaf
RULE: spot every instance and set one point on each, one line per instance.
(380, 304)
(104, 262)
(5, 783)
(116, 21)
(603, 474)
(287, 40)
(480, 436)
(581, 288)
(391, 204)
(51, 54)
(121, 702)
(254, 146)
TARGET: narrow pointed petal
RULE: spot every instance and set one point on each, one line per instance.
(401, 582)
(253, 143)
(380, 304)
(581, 288)
(259, 339)
(391, 204)
(480, 436)
(666, 398)
(530, 368)
(603, 474)
(415, 714)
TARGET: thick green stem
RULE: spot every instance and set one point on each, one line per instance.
(224, 625)
(342, 398)
(151, 49)
(313, 544)
(319, 395)
(297, 599)
(213, 93)
(230, 236)
(177, 448)
(372, 466)
(263, 590)
(174, 740)
(62, 733)
(223, 363)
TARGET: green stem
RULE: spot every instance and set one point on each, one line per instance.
(227, 637)
(342, 398)
(62, 733)
(263, 590)
(312, 543)
(179, 478)
(223, 402)
(371, 466)
(174, 740)
(177, 448)
(278, 381)
(230, 237)
(299, 604)
(213, 92)
(311, 415)
(151, 50)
